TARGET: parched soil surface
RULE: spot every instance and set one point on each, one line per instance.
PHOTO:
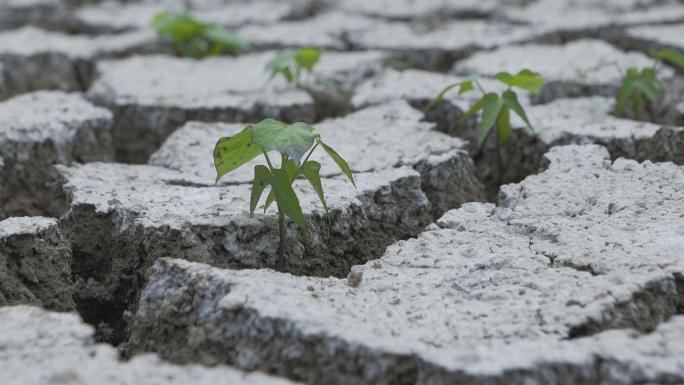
(555, 259)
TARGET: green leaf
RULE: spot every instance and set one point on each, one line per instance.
(503, 125)
(492, 106)
(232, 152)
(471, 111)
(624, 93)
(178, 27)
(511, 100)
(293, 140)
(306, 58)
(525, 79)
(261, 177)
(341, 163)
(670, 56)
(311, 170)
(286, 198)
(440, 97)
(463, 87)
(280, 60)
(229, 41)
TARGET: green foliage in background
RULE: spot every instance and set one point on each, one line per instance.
(192, 38)
(293, 64)
(292, 142)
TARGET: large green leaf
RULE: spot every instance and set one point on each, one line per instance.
(511, 100)
(341, 163)
(525, 79)
(492, 106)
(232, 152)
(286, 198)
(294, 139)
(291, 169)
(306, 58)
(503, 125)
(312, 171)
(280, 60)
(670, 56)
(261, 178)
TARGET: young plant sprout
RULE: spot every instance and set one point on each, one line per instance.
(192, 38)
(292, 141)
(294, 64)
(496, 108)
(637, 86)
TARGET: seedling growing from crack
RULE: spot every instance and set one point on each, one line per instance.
(637, 86)
(496, 108)
(292, 64)
(292, 142)
(192, 38)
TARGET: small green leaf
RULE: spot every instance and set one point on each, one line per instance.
(471, 111)
(293, 140)
(341, 163)
(261, 175)
(525, 79)
(492, 106)
(232, 152)
(286, 198)
(311, 170)
(440, 97)
(511, 100)
(670, 56)
(503, 125)
(463, 87)
(307, 58)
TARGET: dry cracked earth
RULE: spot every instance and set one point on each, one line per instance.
(123, 262)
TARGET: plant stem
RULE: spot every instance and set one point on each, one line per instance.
(499, 159)
(280, 261)
(305, 160)
(268, 160)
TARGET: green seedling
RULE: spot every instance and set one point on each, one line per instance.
(636, 87)
(496, 108)
(293, 65)
(292, 141)
(192, 38)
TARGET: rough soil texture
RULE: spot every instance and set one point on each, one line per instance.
(438, 47)
(586, 246)
(120, 219)
(41, 347)
(35, 59)
(35, 262)
(568, 20)
(152, 96)
(39, 130)
(111, 17)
